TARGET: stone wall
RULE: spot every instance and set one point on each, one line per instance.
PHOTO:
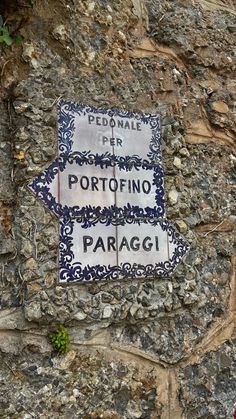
(140, 349)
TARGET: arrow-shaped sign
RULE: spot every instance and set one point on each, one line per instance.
(141, 249)
(107, 188)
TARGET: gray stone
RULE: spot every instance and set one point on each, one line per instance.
(80, 315)
(173, 197)
(59, 32)
(27, 248)
(12, 319)
(107, 312)
(182, 226)
(33, 311)
(177, 162)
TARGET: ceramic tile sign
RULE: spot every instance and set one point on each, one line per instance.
(109, 165)
(142, 249)
(107, 188)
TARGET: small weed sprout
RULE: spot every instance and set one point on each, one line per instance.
(60, 339)
(5, 37)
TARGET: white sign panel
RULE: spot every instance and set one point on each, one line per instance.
(106, 186)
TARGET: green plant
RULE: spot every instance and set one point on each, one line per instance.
(60, 339)
(5, 37)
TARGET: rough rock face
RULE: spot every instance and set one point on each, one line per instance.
(140, 349)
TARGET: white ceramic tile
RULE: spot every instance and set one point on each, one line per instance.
(90, 136)
(93, 246)
(83, 185)
(150, 242)
(128, 137)
(134, 141)
(135, 188)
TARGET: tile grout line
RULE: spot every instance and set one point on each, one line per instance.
(114, 174)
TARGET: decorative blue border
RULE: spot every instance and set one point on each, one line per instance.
(90, 215)
(68, 111)
(71, 271)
